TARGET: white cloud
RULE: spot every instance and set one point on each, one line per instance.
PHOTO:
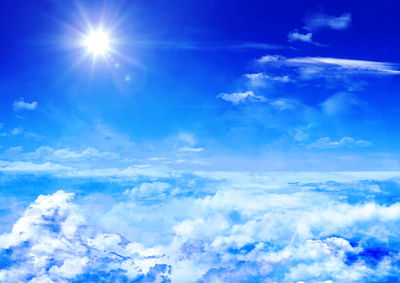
(20, 104)
(128, 173)
(247, 227)
(150, 190)
(191, 149)
(26, 167)
(271, 58)
(347, 64)
(241, 97)
(304, 37)
(19, 131)
(53, 245)
(259, 79)
(65, 154)
(313, 66)
(297, 36)
(284, 103)
(319, 21)
(326, 142)
(76, 171)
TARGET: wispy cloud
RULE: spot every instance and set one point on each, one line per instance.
(326, 143)
(315, 65)
(30, 167)
(339, 103)
(297, 36)
(241, 97)
(20, 104)
(258, 79)
(271, 58)
(191, 149)
(304, 37)
(348, 64)
(19, 131)
(66, 154)
(317, 21)
(197, 45)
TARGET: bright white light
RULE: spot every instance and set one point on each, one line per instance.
(98, 42)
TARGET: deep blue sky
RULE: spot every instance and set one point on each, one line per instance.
(181, 58)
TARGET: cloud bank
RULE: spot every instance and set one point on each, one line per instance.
(230, 231)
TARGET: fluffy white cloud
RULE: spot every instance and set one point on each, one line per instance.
(241, 97)
(319, 21)
(246, 227)
(20, 104)
(50, 243)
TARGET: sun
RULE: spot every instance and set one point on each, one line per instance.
(97, 42)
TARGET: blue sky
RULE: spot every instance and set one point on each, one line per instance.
(253, 141)
(175, 62)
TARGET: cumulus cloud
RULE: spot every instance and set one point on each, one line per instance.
(50, 243)
(326, 142)
(278, 231)
(241, 97)
(321, 20)
(20, 104)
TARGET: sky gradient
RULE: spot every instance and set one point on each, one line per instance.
(253, 141)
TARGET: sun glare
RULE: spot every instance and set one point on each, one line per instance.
(98, 42)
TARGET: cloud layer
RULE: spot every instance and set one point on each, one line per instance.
(236, 227)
